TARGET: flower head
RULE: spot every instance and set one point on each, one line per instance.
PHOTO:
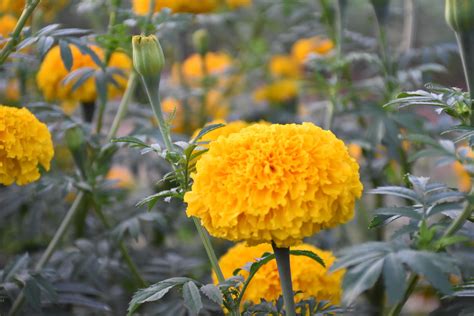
(279, 91)
(284, 66)
(142, 7)
(308, 276)
(49, 8)
(215, 63)
(7, 24)
(148, 58)
(52, 72)
(122, 176)
(25, 143)
(277, 183)
(314, 45)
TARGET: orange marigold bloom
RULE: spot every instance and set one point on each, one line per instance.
(141, 7)
(7, 24)
(122, 176)
(284, 66)
(277, 183)
(279, 91)
(25, 143)
(52, 72)
(215, 63)
(309, 277)
(314, 45)
(234, 4)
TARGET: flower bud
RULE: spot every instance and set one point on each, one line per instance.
(460, 15)
(74, 138)
(148, 58)
(381, 9)
(201, 41)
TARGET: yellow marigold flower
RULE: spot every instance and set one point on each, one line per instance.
(464, 179)
(277, 183)
(123, 177)
(192, 68)
(141, 7)
(284, 66)
(355, 151)
(226, 130)
(52, 72)
(7, 24)
(314, 45)
(25, 143)
(234, 4)
(279, 91)
(308, 276)
(49, 7)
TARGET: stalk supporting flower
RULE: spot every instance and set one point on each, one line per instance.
(148, 60)
(282, 256)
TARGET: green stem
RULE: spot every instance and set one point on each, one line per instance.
(51, 247)
(11, 44)
(458, 222)
(282, 256)
(466, 48)
(123, 250)
(209, 250)
(123, 106)
(395, 311)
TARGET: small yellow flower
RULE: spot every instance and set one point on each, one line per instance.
(314, 45)
(284, 66)
(25, 143)
(122, 176)
(52, 72)
(7, 24)
(277, 183)
(309, 277)
(279, 91)
(234, 4)
(355, 151)
(193, 68)
(142, 7)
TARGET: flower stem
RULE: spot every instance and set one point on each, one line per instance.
(395, 311)
(51, 247)
(123, 106)
(466, 48)
(11, 44)
(282, 256)
(209, 250)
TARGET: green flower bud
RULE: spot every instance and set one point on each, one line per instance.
(74, 138)
(381, 9)
(460, 15)
(201, 41)
(148, 58)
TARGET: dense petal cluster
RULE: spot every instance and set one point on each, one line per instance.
(25, 143)
(308, 276)
(142, 7)
(52, 73)
(277, 183)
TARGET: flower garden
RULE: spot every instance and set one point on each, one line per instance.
(236, 157)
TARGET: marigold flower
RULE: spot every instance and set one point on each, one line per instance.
(279, 91)
(309, 277)
(7, 24)
(215, 63)
(226, 130)
(49, 7)
(122, 176)
(234, 4)
(284, 66)
(464, 177)
(52, 72)
(277, 183)
(25, 143)
(314, 45)
(141, 7)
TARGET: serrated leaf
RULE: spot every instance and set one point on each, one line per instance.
(404, 211)
(397, 191)
(213, 293)
(192, 297)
